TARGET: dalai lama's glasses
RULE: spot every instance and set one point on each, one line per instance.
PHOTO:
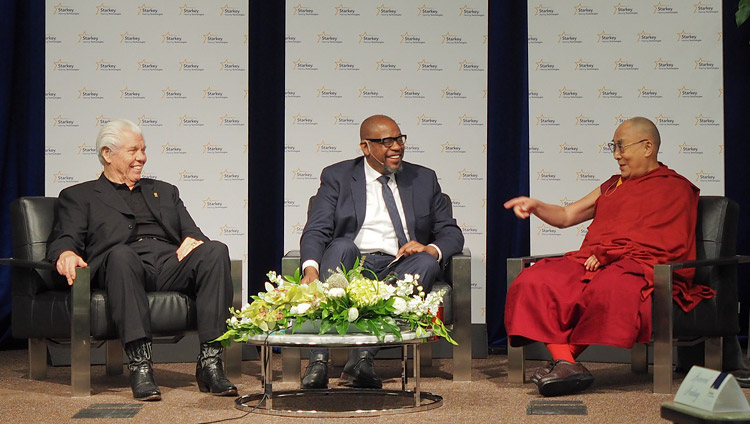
(388, 141)
(621, 147)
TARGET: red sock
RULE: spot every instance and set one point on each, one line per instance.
(576, 350)
(560, 351)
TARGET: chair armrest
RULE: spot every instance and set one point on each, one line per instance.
(23, 263)
(516, 265)
(290, 262)
(729, 260)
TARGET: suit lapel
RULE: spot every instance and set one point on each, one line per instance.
(359, 192)
(404, 181)
(108, 195)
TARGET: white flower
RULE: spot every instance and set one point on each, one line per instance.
(336, 292)
(353, 314)
(299, 309)
(399, 305)
(269, 287)
(408, 278)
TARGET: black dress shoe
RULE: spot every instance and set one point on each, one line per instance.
(209, 373)
(142, 382)
(565, 378)
(742, 377)
(316, 374)
(361, 373)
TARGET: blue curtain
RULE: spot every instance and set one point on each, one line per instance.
(21, 122)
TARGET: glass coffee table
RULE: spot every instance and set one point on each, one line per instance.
(339, 403)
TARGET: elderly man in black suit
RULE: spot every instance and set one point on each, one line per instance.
(382, 207)
(137, 236)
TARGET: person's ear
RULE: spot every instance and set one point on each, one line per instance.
(649, 147)
(365, 147)
(106, 153)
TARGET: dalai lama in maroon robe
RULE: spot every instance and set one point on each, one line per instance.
(600, 294)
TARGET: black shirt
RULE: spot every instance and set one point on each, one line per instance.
(146, 225)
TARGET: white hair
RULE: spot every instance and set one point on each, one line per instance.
(109, 136)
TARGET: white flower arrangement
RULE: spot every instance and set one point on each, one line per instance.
(346, 298)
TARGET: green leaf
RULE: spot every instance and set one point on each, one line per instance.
(341, 327)
(743, 12)
(326, 325)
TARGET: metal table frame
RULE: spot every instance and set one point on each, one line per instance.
(266, 397)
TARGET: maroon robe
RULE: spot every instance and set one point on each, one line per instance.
(637, 224)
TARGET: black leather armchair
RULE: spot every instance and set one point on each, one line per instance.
(45, 308)
(710, 321)
(456, 281)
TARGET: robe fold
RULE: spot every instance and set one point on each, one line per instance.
(639, 223)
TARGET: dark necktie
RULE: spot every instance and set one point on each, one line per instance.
(390, 204)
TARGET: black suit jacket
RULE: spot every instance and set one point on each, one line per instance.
(91, 218)
(338, 209)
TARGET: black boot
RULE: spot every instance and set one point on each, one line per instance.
(209, 371)
(141, 370)
(316, 374)
(360, 370)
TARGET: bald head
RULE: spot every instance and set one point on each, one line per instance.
(645, 128)
(374, 124)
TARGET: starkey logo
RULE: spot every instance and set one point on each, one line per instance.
(619, 119)
(586, 121)
(61, 178)
(60, 9)
(297, 228)
(543, 65)
(227, 175)
(188, 66)
(582, 65)
(227, 10)
(584, 175)
(684, 92)
(663, 120)
(209, 203)
(131, 94)
(102, 120)
(149, 10)
(688, 149)
(705, 64)
(582, 230)
(324, 147)
(581, 10)
(425, 10)
(367, 38)
(102, 65)
(427, 121)
(605, 149)
(450, 93)
(703, 8)
(469, 121)
(326, 38)
(105, 10)
(468, 175)
(467, 66)
(303, 120)
(469, 11)
(566, 38)
(545, 230)
(63, 66)
(624, 65)
(705, 121)
(186, 10)
(300, 10)
(211, 38)
(568, 93)
(608, 93)
(89, 94)
(148, 121)
(706, 177)
(384, 10)
(624, 9)
(213, 149)
(303, 65)
(533, 39)
(51, 95)
(451, 148)
(228, 66)
(301, 174)
(146, 66)
(546, 121)
(605, 37)
(648, 93)
(369, 93)
(665, 65)
(230, 121)
(568, 149)
(212, 93)
(327, 93)
(684, 36)
(342, 10)
(88, 38)
(342, 65)
(426, 66)
(189, 121)
(410, 93)
(85, 149)
(541, 10)
(189, 176)
(664, 9)
(647, 37)
(51, 39)
(170, 38)
(342, 119)
(172, 149)
(129, 38)
(410, 38)
(382, 65)
(534, 149)
(449, 38)
(544, 175)
(171, 93)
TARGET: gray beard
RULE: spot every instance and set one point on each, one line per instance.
(393, 171)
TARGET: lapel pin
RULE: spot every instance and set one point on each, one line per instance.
(156, 194)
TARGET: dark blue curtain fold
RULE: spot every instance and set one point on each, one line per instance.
(21, 122)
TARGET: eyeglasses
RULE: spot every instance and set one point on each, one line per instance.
(387, 142)
(621, 147)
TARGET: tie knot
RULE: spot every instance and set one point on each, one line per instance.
(383, 179)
